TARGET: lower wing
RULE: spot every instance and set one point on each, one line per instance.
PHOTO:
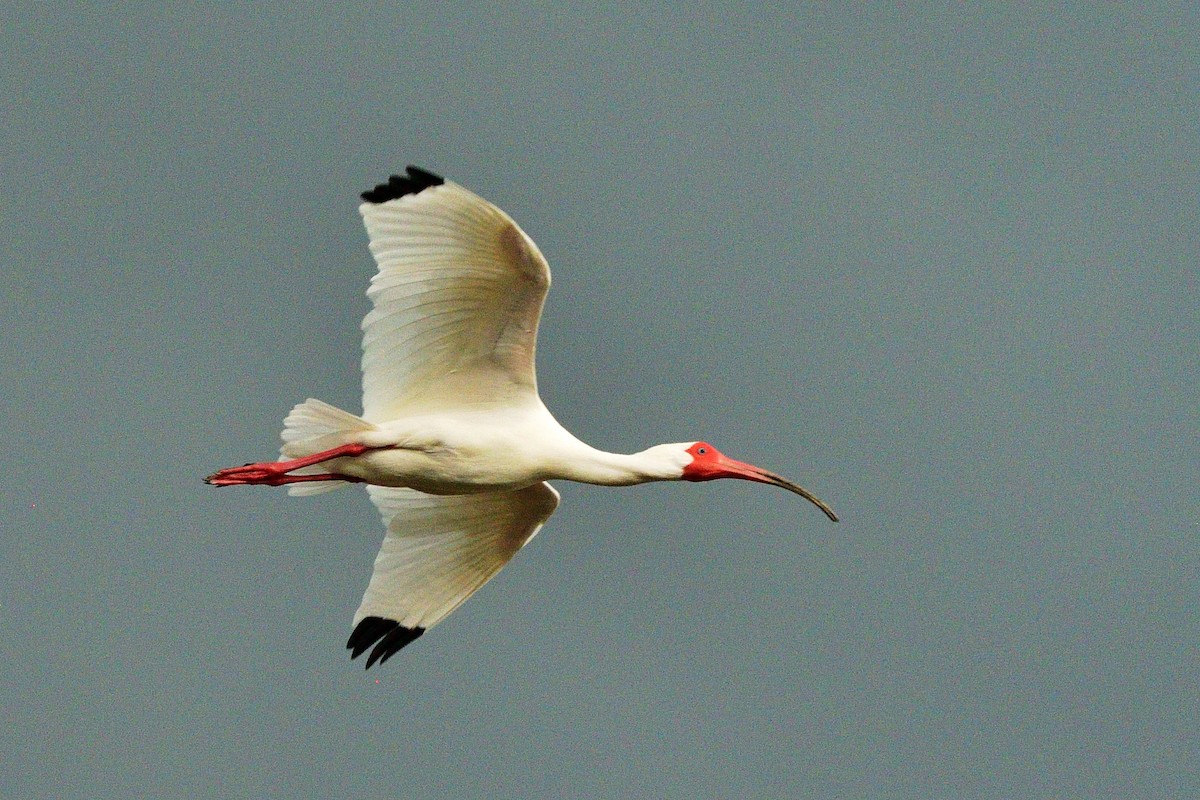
(438, 551)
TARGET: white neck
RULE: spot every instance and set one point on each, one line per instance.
(589, 465)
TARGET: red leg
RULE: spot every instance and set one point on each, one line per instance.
(280, 480)
(274, 473)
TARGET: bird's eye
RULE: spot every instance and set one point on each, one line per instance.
(701, 451)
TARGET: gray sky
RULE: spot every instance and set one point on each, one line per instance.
(939, 266)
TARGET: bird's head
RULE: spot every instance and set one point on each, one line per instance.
(700, 461)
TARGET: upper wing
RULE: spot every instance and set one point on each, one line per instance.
(439, 549)
(457, 300)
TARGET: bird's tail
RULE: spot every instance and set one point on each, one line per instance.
(313, 426)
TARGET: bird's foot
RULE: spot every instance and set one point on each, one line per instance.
(265, 473)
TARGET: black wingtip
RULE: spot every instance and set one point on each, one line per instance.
(388, 636)
(417, 180)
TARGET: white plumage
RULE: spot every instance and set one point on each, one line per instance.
(440, 549)
(454, 442)
(457, 300)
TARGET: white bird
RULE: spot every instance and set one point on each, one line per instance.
(454, 444)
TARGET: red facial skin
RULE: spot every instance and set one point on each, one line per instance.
(709, 464)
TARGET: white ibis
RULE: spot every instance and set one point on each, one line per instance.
(454, 444)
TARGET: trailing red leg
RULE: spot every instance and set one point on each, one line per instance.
(275, 473)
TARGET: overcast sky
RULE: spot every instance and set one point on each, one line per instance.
(939, 266)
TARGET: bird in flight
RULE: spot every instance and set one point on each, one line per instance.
(454, 444)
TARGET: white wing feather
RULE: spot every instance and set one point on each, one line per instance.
(457, 300)
(440, 549)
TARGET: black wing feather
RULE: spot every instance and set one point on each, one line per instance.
(390, 635)
(417, 180)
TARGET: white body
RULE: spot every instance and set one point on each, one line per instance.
(467, 451)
